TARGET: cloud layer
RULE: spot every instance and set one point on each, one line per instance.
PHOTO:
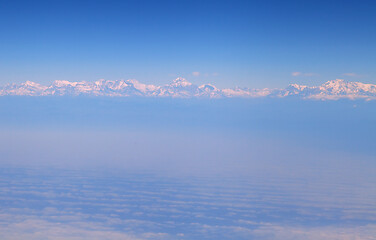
(85, 204)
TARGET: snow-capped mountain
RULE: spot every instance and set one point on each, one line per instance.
(26, 88)
(181, 88)
(332, 90)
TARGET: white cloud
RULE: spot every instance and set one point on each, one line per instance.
(41, 229)
(269, 231)
(351, 74)
(296, 74)
(275, 232)
(196, 74)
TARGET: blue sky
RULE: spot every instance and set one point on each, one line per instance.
(230, 43)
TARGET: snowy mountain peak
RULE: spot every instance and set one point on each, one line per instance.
(143, 87)
(296, 87)
(31, 84)
(337, 83)
(180, 82)
(63, 83)
(208, 87)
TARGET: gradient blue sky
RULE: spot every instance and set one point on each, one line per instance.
(230, 43)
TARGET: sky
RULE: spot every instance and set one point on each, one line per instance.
(228, 43)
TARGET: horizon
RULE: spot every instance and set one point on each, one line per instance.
(174, 79)
(181, 88)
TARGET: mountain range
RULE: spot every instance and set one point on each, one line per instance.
(181, 88)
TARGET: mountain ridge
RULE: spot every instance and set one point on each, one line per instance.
(181, 88)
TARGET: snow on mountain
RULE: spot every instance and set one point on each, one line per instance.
(181, 88)
(115, 88)
(247, 92)
(63, 87)
(147, 89)
(332, 90)
(209, 90)
(27, 88)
